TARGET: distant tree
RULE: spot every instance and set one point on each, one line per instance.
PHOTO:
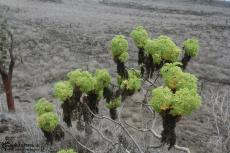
(7, 62)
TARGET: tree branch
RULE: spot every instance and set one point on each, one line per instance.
(118, 123)
(12, 58)
(158, 137)
(77, 140)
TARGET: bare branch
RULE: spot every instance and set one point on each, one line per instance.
(118, 123)
(77, 140)
(158, 137)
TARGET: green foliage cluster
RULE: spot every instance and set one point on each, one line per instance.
(43, 106)
(82, 79)
(67, 151)
(185, 101)
(115, 103)
(162, 49)
(85, 81)
(140, 36)
(179, 95)
(47, 121)
(133, 83)
(191, 47)
(103, 78)
(119, 48)
(176, 79)
(162, 98)
(63, 90)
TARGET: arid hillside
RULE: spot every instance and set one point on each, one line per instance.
(53, 37)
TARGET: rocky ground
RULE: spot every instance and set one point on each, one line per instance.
(55, 36)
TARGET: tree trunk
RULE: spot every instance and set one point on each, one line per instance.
(8, 91)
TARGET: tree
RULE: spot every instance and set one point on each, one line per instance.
(6, 53)
(81, 93)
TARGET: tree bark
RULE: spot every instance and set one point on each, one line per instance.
(7, 83)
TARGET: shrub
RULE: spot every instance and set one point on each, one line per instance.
(133, 83)
(43, 106)
(47, 121)
(115, 103)
(161, 99)
(119, 47)
(63, 90)
(162, 49)
(191, 47)
(140, 36)
(67, 151)
(185, 101)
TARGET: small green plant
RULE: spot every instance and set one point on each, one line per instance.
(140, 36)
(47, 121)
(119, 47)
(191, 47)
(67, 151)
(115, 103)
(63, 90)
(43, 106)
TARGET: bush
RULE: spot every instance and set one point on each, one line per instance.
(67, 151)
(191, 47)
(43, 106)
(47, 121)
(119, 47)
(140, 36)
(63, 90)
